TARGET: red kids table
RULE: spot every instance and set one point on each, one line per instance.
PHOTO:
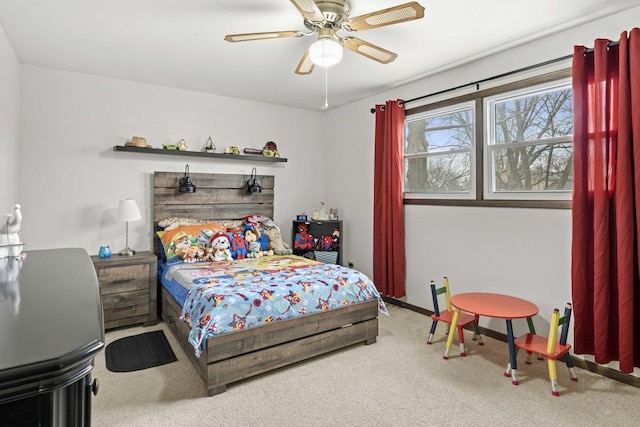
(493, 305)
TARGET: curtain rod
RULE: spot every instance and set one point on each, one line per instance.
(477, 83)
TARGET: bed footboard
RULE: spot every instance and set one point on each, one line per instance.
(235, 356)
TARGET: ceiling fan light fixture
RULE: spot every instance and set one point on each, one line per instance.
(325, 52)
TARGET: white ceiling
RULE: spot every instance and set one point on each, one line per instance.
(179, 43)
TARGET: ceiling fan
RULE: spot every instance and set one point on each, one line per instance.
(326, 18)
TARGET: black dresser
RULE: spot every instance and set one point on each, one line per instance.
(51, 328)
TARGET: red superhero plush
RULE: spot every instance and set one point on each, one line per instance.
(324, 243)
(238, 243)
(303, 239)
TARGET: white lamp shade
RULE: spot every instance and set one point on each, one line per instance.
(325, 52)
(129, 210)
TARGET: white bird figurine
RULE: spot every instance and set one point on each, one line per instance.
(10, 244)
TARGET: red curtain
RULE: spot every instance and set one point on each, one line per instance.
(388, 215)
(606, 201)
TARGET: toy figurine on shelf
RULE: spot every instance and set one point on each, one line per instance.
(182, 145)
(210, 146)
(232, 149)
(270, 150)
(303, 240)
(179, 146)
(335, 239)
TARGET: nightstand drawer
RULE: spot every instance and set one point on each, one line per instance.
(123, 279)
(125, 304)
(128, 289)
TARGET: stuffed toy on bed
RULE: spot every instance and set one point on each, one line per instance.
(220, 243)
(276, 243)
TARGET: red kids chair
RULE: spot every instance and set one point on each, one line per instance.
(446, 316)
(550, 347)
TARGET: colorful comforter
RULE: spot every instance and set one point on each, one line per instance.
(232, 295)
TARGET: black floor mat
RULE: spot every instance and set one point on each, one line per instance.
(139, 352)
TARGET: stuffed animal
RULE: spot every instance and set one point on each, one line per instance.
(335, 239)
(238, 244)
(255, 250)
(194, 253)
(208, 254)
(220, 242)
(303, 239)
(264, 242)
(276, 243)
(324, 243)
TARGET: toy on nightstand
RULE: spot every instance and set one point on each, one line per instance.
(220, 242)
(303, 239)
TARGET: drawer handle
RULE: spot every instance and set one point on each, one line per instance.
(122, 307)
(117, 282)
(95, 387)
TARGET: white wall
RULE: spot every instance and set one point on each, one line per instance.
(9, 109)
(523, 252)
(71, 180)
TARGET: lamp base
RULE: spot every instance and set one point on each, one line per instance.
(127, 252)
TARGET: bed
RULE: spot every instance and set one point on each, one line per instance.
(230, 356)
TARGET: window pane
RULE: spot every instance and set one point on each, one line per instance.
(439, 173)
(529, 144)
(534, 117)
(451, 130)
(541, 167)
(439, 152)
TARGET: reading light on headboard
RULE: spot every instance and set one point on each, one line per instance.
(186, 186)
(252, 183)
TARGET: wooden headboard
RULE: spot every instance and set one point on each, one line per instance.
(217, 196)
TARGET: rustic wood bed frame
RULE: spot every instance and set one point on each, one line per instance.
(238, 355)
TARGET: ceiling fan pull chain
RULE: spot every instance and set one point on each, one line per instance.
(326, 89)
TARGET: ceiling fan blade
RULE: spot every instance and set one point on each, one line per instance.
(305, 66)
(393, 15)
(262, 36)
(369, 50)
(309, 10)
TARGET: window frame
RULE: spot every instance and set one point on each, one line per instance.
(480, 148)
(471, 195)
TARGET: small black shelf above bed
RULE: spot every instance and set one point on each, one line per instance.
(246, 157)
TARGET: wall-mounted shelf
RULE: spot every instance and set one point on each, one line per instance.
(247, 157)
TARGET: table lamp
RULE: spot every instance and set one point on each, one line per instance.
(128, 212)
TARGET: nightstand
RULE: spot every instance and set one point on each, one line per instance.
(128, 289)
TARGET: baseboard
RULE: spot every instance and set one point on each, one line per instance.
(605, 371)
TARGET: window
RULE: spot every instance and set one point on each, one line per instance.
(506, 146)
(529, 143)
(439, 153)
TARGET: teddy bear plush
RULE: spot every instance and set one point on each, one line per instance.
(276, 243)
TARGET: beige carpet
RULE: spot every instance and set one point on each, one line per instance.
(399, 381)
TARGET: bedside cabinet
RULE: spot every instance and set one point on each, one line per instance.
(128, 289)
